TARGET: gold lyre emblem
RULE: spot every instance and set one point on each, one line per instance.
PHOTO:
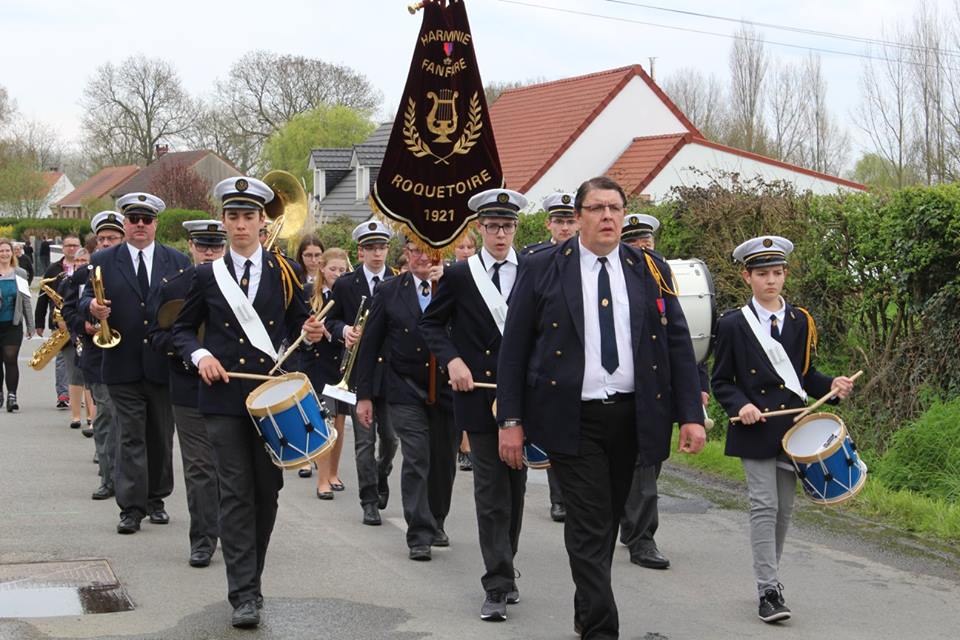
(442, 118)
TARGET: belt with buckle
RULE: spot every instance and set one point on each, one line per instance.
(611, 399)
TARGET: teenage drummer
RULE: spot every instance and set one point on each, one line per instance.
(249, 302)
(763, 363)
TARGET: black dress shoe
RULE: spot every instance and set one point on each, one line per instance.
(558, 512)
(650, 558)
(200, 559)
(75, 424)
(103, 493)
(128, 524)
(463, 460)
(246, 616)
(324, 495)
(420, 552)
(383, 494)
(159, 517)
(12, 403)
(337, 486)
(441, 539)
(87, 431)
(305, 472)
(371, 515)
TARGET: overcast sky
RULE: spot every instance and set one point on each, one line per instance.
(50, 48)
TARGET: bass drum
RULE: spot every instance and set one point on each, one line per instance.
(694, 286)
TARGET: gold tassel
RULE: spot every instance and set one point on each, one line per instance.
(658, 277)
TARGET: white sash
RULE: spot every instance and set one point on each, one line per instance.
(243, 309)
(491, 296)
(775, 354)
(23, 286)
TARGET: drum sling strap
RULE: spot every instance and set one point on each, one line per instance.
(775, 354)
(242, 308)
(494, 300)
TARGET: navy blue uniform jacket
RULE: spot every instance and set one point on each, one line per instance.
(320, 361)
(542, 355)
(458, 324)
(224, 338)
(392, 329)
(91, 357)
(742, 374)
(133, 359)
(184, 378)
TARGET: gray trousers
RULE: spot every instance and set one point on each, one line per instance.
(199, 478)
(60, 375)
(498, 492)
(144, 464)
(771, 488)
(373, 471)
(104, 432)
(640, 517)
(429, 445)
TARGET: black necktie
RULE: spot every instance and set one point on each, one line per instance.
(608, 333)
(245, 280)
(375, 281)
(774, 328)
(496, 274)
(424, 288)
(326, 296)
(142, 276)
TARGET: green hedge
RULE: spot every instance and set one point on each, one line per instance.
(26, 227)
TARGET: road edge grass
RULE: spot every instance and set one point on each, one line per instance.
(901, 509)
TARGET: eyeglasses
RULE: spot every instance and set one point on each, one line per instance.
(72, 246)
(413, 250)
(494, 229)
(137, 218)
(599, 208)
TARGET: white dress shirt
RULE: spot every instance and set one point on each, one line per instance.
(147, 258)
(369, 276)
(508, 272)
(256, 268)
(597, 383)
(764, 315)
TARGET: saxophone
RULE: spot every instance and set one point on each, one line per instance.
(59, 338)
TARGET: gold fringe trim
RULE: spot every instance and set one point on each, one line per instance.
(812, 339)
(436, 253)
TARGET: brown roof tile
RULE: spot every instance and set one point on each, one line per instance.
(535, 125)
(141, 181)
(98, 185)
(644, 159)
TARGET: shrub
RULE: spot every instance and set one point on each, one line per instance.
(25, 228)
(170, 223)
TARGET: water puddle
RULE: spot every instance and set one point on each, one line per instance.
(68, 588)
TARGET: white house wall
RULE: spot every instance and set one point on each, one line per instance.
(634, 112)
(678, 172)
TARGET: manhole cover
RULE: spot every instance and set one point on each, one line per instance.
(74, 587)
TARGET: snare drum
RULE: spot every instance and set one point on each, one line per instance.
(535, 457)
(291, 419)
(696, 295)
(825, 458)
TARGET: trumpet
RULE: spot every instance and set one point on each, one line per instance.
(341, 391)
(106, 338)
(59, 338)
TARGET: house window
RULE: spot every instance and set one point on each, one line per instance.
(363, 183)
(319, 184)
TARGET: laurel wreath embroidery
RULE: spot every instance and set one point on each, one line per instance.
(419, 148)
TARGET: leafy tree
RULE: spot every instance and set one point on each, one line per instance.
(337, 126)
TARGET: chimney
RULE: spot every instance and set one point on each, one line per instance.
(161, 149)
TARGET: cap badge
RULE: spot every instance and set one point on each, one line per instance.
(142, 198)
(767, 242)
(242, 185)
(111, 218)
(211, 227)
(634, 220)
(372, 226)
(565, 199)
(503, 198)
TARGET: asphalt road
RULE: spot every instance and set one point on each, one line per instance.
(328, 576)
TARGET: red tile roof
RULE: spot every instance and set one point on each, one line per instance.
(98, 186)
(142, 180)
(535, 125)
(644, 159)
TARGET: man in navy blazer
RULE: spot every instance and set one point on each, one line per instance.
(134, 373)
(595, 366)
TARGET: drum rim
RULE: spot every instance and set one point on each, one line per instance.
(826, 453)
(283, 405)
(299, 462)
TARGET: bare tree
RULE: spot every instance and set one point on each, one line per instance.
(492, 90)
(928, 73)
(885, 113)
(787, 103)
(748, 71)
(130, 108)
(213, 129)
(265, 90)
(39, 142)
(23, 191)
(826, 144)
(7, 108)
(701, 99)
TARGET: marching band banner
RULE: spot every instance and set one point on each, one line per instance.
(441, 150)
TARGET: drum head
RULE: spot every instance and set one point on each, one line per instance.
(814, 436)
(271, 393)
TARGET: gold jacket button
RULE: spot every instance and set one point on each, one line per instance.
(270, 323)
(380, 359)
(226, 324)
(405, 330)
(487, 352)
(262, 360)
(553, 383)
(243, 361)
(241, 340)
(146, 322)
(144, 341)
(763, 392)
(559, 353)
(419, 349)
(781, 386)
(753, 371)
(654, 367)
(783, 406)
(653, 337)
(658, 396)
(488, 373)
(142, 305)
(556, 325)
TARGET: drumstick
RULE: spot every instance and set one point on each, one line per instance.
(770, 414)
(825, 398)
(303, 334)
(249, 376)
(480, 385)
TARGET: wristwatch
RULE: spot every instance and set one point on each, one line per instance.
(509, 423)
